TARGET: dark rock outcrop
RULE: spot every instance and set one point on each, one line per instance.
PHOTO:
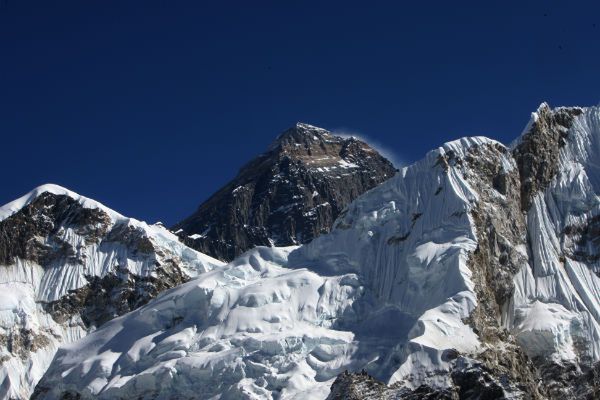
(22, 341)
(570, 381)
(472, 382)
(35, 232)
(115, 294)
(286, 196)
(538, 150)
(362, 386)
(494, 263)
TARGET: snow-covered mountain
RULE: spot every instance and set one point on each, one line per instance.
(286, 196)
(471, 274)
(69, 264)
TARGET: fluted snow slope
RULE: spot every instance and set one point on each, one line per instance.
(555, 312)
(67, 264)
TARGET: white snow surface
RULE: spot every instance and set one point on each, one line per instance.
(24, 284)
(387, 290)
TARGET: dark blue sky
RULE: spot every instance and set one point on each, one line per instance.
(149, 107)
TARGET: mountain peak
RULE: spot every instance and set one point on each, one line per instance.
(286, 196)
(304, 126)
(301, 134)
(10, 208)
(14, 206)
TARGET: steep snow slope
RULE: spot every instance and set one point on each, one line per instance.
(472, 273)
(410, 246)
(68, 264)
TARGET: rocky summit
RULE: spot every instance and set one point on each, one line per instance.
(289, 195)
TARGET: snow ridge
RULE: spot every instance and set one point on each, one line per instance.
(9, 209)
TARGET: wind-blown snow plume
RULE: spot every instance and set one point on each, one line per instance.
(395, 158)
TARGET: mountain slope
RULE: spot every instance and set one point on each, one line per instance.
(67, 265)
(286, 196)
(471, 274)
(387, 291)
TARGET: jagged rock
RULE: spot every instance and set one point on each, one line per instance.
(36, 232)
(23, 341)
(286, 196)
(569, 380)
(472, 383)
(494, 263)
(362, 386)
(537, 153)
(114, 294)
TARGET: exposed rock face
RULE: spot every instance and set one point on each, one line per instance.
(117, 293)
(286, 196)
(570, 381)
(473, 382)
(494, 263)
(22, 342)
(68, 265)
(537, 153)
(582, 242)
(36, 232)
(362, 386)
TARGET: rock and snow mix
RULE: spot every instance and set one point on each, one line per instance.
(555, 311)
(473, 272)
(67, 264)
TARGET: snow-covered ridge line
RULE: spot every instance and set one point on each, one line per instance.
(158, 229)
(14, 206)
